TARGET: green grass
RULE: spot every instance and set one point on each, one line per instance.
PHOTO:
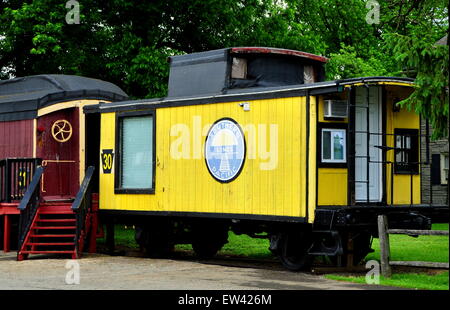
(240, 245)
(406, 280)
(405, 248)
(123, 235)
(423, 248)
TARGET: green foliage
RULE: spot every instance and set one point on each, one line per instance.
(429, 64)
(346, 64)
(127, 42)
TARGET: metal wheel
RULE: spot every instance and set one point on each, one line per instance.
(293, 250)
(209, 238)
(154, 239)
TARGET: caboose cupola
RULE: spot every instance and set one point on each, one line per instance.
(224, 70)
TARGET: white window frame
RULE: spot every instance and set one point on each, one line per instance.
(333, 160)
(444, 181)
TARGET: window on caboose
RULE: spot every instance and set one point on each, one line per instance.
(333, 145)
(406, 151)
(135, 171)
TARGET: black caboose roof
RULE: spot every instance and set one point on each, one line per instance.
(21, 98)
(218, 71)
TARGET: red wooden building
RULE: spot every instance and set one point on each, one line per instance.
(42, 124)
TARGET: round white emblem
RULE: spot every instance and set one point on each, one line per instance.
(225, 150)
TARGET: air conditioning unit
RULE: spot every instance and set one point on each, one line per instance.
(335, 108)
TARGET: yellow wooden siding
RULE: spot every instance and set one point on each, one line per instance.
(185, 185)
(402, 119)
(332, 187)
(332, 182)
(312, 176)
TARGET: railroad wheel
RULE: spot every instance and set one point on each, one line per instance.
(293, 250)
(209, 238)
(155, 239)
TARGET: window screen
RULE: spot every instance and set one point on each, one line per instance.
(136, 143)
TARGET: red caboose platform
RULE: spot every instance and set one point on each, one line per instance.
(48, 164)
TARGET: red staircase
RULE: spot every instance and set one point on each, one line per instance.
(52, 231)
(57, 227)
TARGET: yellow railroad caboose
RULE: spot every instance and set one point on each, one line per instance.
(254, 140)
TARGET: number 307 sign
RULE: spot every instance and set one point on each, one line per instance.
(107, 160)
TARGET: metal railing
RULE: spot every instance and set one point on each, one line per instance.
(389, 150)
(15, 176)
(28, 205)
(82, 203)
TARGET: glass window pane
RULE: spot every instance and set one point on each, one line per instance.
(137, 152)
(398, 157)
(398, 141)
(408, 142)
(326, 145)
(338, 145)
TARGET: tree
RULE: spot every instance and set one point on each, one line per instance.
(429, 63)
(127, 42)
(420, 57)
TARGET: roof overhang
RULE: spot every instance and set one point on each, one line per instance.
(313, 89)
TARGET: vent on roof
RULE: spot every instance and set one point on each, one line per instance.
(335, 108)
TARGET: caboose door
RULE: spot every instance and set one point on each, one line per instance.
(57, 143)
(368, 168)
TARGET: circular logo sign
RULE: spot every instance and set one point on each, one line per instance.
(225, 150)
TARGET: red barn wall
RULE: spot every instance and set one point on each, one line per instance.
(16, 139)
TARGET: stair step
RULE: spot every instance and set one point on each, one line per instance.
(50, 243)
(46, 252)
(51, 236)
(56, 212)
(57, 202)
(53, 227)
(56, 220)
(56, 209)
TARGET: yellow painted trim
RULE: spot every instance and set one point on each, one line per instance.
(82, 143)
(34, 137)
(397, 83)
(66, 105)
(312, 176)
(382, 83)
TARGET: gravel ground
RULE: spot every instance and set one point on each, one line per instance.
(104, 272)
